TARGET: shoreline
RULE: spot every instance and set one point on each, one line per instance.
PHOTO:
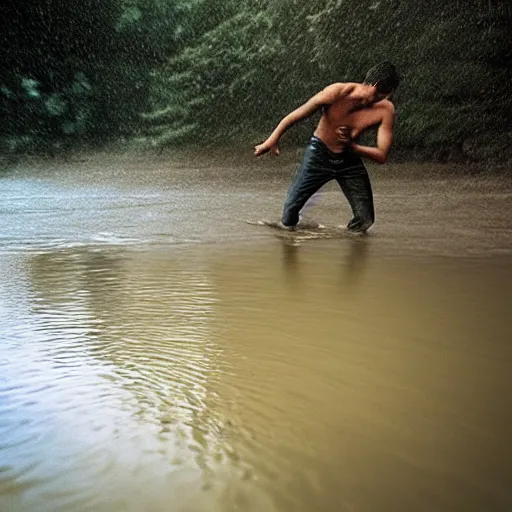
(238, 151)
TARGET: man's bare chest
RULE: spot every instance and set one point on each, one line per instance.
(358, 119)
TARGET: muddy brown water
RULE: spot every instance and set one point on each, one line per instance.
(158, 353)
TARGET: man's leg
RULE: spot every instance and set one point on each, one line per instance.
(309, 178)
(358, 190)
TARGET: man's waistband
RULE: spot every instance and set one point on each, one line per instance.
(348, 157)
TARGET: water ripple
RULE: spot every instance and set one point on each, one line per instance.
(276, 376)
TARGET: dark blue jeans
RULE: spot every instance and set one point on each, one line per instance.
(321, 165)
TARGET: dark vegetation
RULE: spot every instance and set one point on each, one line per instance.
(171, 72)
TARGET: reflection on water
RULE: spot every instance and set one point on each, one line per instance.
(351, 260)
(104, 365)
(277, 374)
(272, 378)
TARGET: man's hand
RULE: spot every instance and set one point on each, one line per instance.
(266, 147)
(344, 136)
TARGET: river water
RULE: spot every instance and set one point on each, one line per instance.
(158, 353)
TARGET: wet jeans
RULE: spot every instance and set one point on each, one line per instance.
(321, 165)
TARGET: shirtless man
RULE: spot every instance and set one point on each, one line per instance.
(348, 109)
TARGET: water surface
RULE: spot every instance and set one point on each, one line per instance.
(159, 353)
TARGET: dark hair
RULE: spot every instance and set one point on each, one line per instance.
(384, 76)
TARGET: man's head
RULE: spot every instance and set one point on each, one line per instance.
(383, 77)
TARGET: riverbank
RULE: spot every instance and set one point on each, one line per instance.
(475, 159)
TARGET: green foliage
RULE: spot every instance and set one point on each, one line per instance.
(51, 48)
(245, 73)
(210, 87)
(210, 70)
(48, 113)
(152, 30)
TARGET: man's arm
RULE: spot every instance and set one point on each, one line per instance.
(326, 96)
(384, 139)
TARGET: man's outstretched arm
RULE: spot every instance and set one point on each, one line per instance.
(384, 140)
(325, 97)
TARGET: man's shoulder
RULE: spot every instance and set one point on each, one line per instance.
(334, 92)
(342, 88)
(346, 84)
(387, 106)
